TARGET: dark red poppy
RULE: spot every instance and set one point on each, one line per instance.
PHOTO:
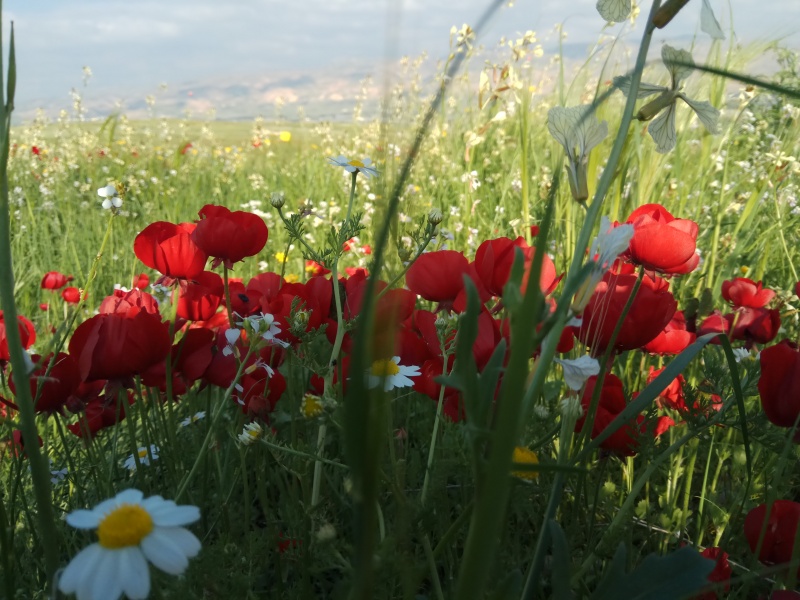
(190, 358)
(720, 574)
(122, 302)
(650, 312)
(54, 388)
(438, 276)
(16, 443)
(755, 325)
(170, 250)
(53, 280)
(779, 383)
(671, 396)
(746, 292)
(27, 336)
(229, 236)
(71, 295)
(625, 440)
(100, 413)
(714, 323)
(119, 345)
(199, 299)
(779, 531)
(673, 339)
(661, 242)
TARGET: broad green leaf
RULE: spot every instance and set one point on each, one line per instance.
(662, 130)
(675, 575)
(561, 563)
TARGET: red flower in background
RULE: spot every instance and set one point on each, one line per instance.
(494, 259)
(27, 335)
(55, 388)
(779, 531)
(118, 346)
(721, 574)
(229, 236)
(190, 358)
(199, 299)
(53, 280)
(71, 295)
(661, 242)
(141, 281)
(121, 302)
(746, 292)
(651, 311)
(755, 325)
(623, 441)
(673, 339)
(779, 383)
(438, 276)
(100, 412)
(169, 249)
(671, 396)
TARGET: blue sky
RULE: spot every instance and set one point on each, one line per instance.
(133, 46)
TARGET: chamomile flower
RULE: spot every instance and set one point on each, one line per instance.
(198, 416)
(132, 531)
(110, 197)
(355, 165)
(250, 433)
(145, 456)
(527, 457)
(390, 373)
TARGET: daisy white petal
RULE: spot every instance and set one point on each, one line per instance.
(83, 563)
(174, 516)
(105, 583)
(161, 550)
(84, 519)
(134, 573)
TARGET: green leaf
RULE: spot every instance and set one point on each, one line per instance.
(675, 575)
(561, 563)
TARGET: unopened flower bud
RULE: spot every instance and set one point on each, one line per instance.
(404, 254)
(571, 408)
(277, 199)
(435, 216)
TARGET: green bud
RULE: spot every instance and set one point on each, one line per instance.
(435, 216)
(277, 200)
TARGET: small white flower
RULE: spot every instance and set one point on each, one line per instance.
(198, 416)
(58, 475)
(109, 194)
(355, 165)
(231, 336)
(264, 326)
(741, 353)
(145, 456)
(250, 433)
(577, 371)
(132, 531)
(391, 374)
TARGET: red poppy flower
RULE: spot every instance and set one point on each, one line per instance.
(229, 236)
(122, 302)
(141, 281)
(190, 358)
(119, 345)
(779, 531)
(623, 441)
(671, 396)
(27, 335)
(673, 339)
(438, 276)
(100, 413)
(71, 295)
(650, 312)
(746, 292)
(720, 574)
(661, 242)
(53, 280)
(170, 250)
(54, 388)
(755, 325)
(199, 299)
(16, 443)
(779, 383)
(494, 259)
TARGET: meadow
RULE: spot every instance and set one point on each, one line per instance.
(520, 351)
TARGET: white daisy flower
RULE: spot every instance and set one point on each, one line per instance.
(145, 456)
(250, 433)
(109, 194)
(198, 416)
(132, 530)
(391, 374)
(355, 165)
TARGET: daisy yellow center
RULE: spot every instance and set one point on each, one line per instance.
(524, 456)
(311, 406)
(253, 433)
(385, 367)
(125, 526)
(356, 163)
(142, 452)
